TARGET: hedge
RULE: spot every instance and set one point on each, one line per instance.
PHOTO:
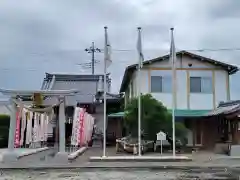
(4, 120)
(4, 129)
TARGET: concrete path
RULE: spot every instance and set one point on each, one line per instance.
(45, 160)
(41, 166)
(21, 152)
(43, 157)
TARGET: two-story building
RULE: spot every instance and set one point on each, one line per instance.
(201, 84)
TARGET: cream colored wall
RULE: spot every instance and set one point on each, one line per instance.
(201, 100)
(185, 99)
(182, 62)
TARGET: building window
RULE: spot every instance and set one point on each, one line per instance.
(161, 84)
(200, 85)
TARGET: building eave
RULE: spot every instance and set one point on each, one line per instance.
(75, 77)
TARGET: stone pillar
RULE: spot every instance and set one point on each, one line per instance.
(11, 155)
(12, 126)
(61, 120)
(56, 138)
(61, 156)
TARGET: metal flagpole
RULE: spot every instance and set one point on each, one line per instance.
(104, 111)
(139, 111)
(107, 62)
(139, 48)
(173, 56)
(104, 99)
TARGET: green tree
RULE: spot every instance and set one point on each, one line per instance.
(155, 118)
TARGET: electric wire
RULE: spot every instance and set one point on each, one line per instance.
(86, 64)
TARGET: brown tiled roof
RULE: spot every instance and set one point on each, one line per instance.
(225, 108)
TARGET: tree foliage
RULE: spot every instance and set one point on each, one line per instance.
(154, 118)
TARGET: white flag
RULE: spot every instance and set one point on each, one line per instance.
(107, 50)
(139, 48)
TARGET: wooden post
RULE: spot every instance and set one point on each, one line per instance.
(235, 133)
(193, 124)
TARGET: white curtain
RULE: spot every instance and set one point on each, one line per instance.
(23, 125)
(46, 124)
(206, 84)
(29, 128)
(167, 84)
(35, 128)
(40, 130)
(89, 122)
(42, 127)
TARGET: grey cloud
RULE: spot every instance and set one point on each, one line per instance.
(153, 34)
(51, 35)
(28, 35)
(225, 9)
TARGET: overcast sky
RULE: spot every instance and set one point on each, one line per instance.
(38, 36)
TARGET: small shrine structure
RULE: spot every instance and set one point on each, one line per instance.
(15, 99)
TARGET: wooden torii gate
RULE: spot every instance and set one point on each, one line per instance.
(10, 155)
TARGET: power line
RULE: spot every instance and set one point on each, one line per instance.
(220, 49)
(90, 64)
(83, 65)
(22, 69)
(200, 50)
(100, 50)
(18, 69)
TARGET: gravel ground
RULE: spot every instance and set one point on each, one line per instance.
(112, 175)
(46, 159)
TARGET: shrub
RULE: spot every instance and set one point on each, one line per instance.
(154, 118)
(4, 120)
(4, 130)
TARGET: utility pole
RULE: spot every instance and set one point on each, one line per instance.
(92, 50)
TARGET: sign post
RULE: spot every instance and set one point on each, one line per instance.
(161, 136)
(161, 147)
